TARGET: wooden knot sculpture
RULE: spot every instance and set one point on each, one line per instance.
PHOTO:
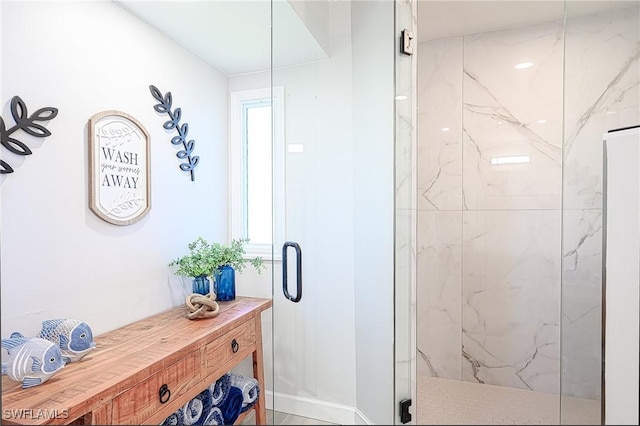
(201, 306)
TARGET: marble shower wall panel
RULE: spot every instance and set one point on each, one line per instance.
(511, 296)
(582, 303)
(513, 112)
(440, 124)
(602, 92)
(439, 293)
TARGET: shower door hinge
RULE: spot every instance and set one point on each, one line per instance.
(407, 47)
(405, 415)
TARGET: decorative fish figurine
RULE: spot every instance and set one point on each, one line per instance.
(74, 337)
(32, 360)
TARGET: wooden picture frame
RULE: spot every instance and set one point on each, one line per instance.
(119, 168)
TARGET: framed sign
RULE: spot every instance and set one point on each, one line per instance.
(119, 174)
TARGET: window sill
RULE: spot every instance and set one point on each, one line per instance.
(263, 251)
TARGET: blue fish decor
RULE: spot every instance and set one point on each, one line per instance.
(32, 360)
(73, 337)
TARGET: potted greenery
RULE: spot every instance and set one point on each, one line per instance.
(216, 260)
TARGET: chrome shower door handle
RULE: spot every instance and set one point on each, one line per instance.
(285, 281)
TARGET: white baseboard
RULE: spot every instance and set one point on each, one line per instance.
(361, 419)
(316, 409)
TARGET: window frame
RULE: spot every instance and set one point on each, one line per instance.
(238, 101)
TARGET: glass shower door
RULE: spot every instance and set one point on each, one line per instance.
(405, 210)
(509, 258)
(313, 331)
(326, 319)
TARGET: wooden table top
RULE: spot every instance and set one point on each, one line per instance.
(122, 358)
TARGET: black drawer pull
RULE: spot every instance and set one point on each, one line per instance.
(165, 393)
(234, 346)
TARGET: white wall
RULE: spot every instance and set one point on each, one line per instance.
(59, 259)
(373, 194)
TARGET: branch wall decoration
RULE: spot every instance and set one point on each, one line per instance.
(164, 107)
(25, 123)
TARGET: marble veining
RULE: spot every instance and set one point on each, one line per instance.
(439, 161)
(600, 103)
(512, 112)
(439, 292)
(588, 227)
(425, 359)
(511, 293)
(602, 92)
(499, 112)
(582, 303)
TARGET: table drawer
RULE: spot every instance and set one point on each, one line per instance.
(231, 347)
(140, 402)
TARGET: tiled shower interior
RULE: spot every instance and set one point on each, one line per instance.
(509, 221)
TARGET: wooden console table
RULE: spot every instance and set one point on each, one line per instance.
(120, 381)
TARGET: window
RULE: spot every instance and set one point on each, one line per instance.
(252, 181)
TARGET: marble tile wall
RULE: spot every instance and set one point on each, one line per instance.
(495, 241)
(513, 112)
(439, 203)
(511, 298)
(602, 92)
(439, 293)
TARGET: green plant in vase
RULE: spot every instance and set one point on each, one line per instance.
(216, 260)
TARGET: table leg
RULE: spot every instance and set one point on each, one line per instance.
(258, 373)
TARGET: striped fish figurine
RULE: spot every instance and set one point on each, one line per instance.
(32, 360)
(74, 337)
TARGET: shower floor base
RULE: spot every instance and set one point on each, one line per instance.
(454, 402)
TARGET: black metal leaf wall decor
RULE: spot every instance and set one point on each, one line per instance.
(25, 123)
(164, 107)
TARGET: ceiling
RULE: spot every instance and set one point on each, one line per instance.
(234, 36)
(446, 18)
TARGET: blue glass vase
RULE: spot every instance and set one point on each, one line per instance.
(201, 285)
(224, 283)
